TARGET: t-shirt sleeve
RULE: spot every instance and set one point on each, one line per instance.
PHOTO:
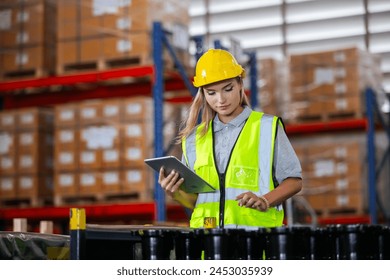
(286, 163)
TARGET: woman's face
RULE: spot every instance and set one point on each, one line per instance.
(224, 98)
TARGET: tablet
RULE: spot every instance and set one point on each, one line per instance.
(192, 182)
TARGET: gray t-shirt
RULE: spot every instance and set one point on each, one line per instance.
(286, 163)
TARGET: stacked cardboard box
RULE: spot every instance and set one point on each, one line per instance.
(330, 84)
(272, 87)
(26, 166)
(334, 172)
(96, 34)
(100, 146)
(27, 38)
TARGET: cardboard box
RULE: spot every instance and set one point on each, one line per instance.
(112, 181)
(66, 115)
(34, 186)
(8, 120)
(90, 183)
(7, 187)
(35, 118)
(66, 184)
(138, 181)
(138, 109)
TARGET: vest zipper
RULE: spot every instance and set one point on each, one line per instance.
(222, 178)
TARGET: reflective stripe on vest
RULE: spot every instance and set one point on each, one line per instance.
(249, 169)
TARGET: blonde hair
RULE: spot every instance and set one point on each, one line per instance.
(200, 106)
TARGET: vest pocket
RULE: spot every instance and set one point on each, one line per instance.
(244, 177)
(202, 167)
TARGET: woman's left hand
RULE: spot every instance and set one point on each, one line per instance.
(250, 200)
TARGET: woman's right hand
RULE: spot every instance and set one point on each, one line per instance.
(171, 183)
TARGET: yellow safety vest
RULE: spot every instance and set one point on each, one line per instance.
(249, 169)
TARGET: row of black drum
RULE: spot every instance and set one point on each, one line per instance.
(333, 242)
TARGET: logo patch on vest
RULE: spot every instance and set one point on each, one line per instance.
(245, 176)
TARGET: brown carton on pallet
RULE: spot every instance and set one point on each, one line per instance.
(7, 186)
(66, 115)
(36, 188)
(65, 184)
(28, 47)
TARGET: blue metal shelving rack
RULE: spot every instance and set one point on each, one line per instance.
(374, 170)
(160, 40)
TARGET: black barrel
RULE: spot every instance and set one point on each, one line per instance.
(384, 243)
(218, 244)
(250, 244)
(188, 245)
(358, 242)
(289, 243)
(324, 244)
(157, 244)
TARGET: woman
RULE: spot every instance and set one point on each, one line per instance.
(244, 154)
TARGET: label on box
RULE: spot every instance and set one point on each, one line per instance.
(21, 58)
(133, 176)
(323, 76)
(341, 152)
(88, 113)
(133, 108)
(134, 130)
(99, 137)
(22, 37)
(8, 120)
(26, 139)
(66, 157)
(26, 161)
(110, 155)
(5, 143)
(6, 163)
(102, 7)
(5, 19)
(26, 183)
(342, 200)
(6, 184)
(123, 23)
(342, 168)
(341, 104)
(27, 118)
(342, 184)
(67, 115)
(340, 88)
(123, 45)
(87, 157)
(110, 178)
(111, 110)
(87, 179)
(22, 16)
(340, 72)
(133, 153)
(66, 136)
(66, 180)
(324, 168)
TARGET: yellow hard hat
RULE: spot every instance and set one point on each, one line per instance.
(216, 65)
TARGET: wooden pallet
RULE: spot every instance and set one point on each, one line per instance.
(102, 64)
(23, 74)
(325, 117)
(342, 211)
(34, 201)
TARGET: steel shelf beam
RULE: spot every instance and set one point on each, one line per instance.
(331, 126)
(94, 212)
(68, 80)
